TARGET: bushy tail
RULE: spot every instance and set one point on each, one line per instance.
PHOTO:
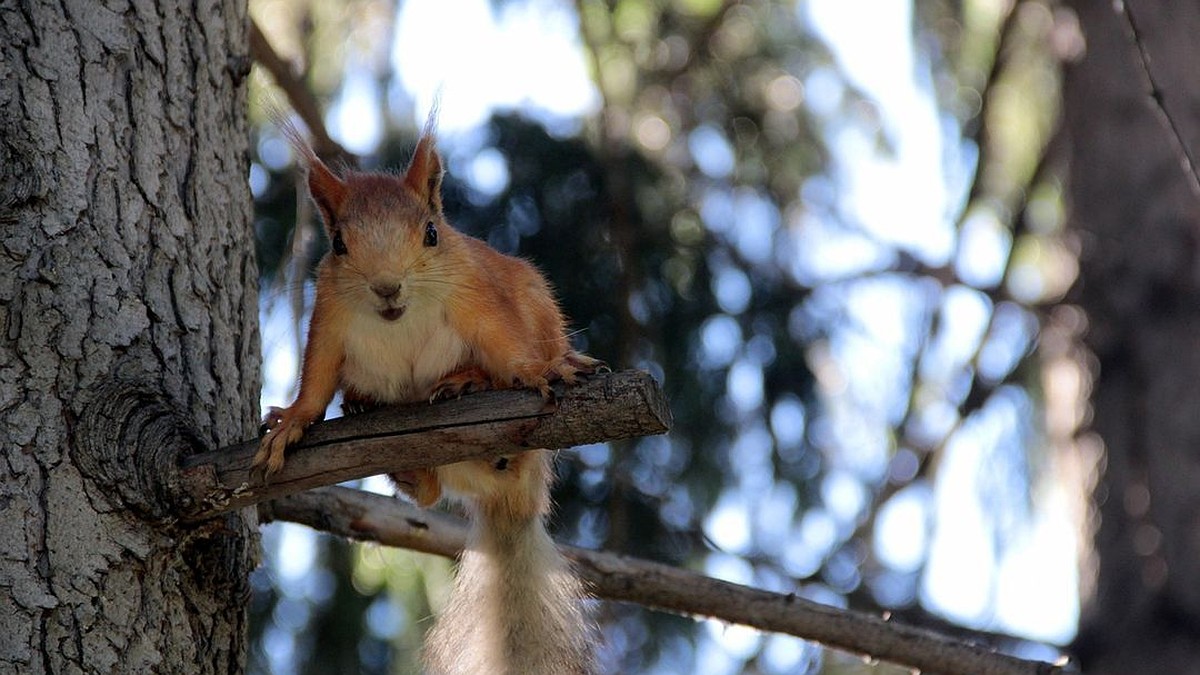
(516, 607)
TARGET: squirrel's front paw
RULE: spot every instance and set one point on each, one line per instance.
(573, 364)
(537, 382)
(282, 428)
(459, 382)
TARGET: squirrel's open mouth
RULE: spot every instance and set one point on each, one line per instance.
(391, 313)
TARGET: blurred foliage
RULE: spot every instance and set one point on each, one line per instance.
(674, 226)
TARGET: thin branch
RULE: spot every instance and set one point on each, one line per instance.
(298, 94)
(915, 615)
(604, 407)
(979, 128)
(1156, 96)
(370, 517)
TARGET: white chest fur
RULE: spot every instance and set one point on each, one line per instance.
(400, 361)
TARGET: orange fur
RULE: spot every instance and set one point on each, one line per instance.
(494, 314)
(409, 309)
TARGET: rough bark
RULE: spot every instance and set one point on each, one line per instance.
(127, 331)
(1139, 222)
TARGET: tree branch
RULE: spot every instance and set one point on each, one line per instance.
(298, 94)
(370, 517)
(604, 407)
(1158, 97)
(978, 128)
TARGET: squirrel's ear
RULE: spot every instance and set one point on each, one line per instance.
(424, 173)
(327, 190)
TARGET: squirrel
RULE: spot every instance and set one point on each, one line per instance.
(408, 309)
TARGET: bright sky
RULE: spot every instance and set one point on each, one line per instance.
(524, 53)
(902, 198)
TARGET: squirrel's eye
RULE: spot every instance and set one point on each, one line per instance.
(430, 234)
(339, 246)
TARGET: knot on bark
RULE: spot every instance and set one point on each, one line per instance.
(130, 443)
(22, 169)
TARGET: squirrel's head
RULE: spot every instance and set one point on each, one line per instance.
(387, 234)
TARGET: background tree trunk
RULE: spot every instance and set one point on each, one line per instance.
(1139, 221)
(128, 331)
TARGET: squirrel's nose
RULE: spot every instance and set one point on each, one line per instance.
(386, 291)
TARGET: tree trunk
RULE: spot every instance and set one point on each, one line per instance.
(128, 332)
(1139, 222)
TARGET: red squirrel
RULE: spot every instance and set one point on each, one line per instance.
(408, 309)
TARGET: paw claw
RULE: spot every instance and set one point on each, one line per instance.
(282, 427)
(260, 474)
(460, 382)
(573, 364)
(272, 419)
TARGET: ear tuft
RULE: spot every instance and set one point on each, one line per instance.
(327, 190)
(424, 173)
